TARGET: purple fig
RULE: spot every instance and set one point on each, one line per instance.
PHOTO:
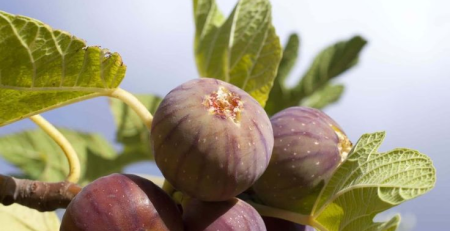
(276, 224)
(122, 202)
(230, 215)
(211, 140)
(309, 146)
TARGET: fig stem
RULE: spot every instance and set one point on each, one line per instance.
(181, 199)
(135, 104)
(60, 139)
(284, 214)
(167, 187)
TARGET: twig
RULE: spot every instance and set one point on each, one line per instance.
(71, 155)
(42, 196)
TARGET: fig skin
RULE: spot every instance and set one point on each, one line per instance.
(276, 224)
(122, 202)
(211, 148)
(230, 215)
(309, 146)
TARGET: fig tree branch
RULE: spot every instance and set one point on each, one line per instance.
(42, 196)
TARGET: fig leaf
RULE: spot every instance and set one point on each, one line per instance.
(329, 63)
(324, 96)
(369, 182)
(20, 218)
(280, 95)
(40, 158)
(42, 68)
(315, 85)
(243, 49)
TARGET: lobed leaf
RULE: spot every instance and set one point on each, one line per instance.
(131, 132)
(42, 68)
(20, 218)
(243, 50)
(369, 182)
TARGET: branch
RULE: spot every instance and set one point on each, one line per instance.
(41, 196)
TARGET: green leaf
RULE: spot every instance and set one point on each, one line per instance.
(39, 157)
(243, 50)
(280, 95)
(42, 68)
(324, 96)
(20, 218)
(314, 88)
(290, 54)
(330, 63)
(131, 131)
(369, 182)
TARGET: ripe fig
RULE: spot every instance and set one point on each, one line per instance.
(309, 146)
(276, 224)
(122, 202)
(211, 139)
(230, 215)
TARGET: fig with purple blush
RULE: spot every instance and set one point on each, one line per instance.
(211, 140)
(230, 215)
(122, 202)
(309, 146)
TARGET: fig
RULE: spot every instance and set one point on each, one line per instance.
(230, 215)
(211, 140)
(276, 224)
(122, 202)
(309, 146)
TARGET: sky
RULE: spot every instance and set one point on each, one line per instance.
(400, 85)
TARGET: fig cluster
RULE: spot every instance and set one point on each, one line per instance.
(213, 142)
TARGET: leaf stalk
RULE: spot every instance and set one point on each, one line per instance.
(60, 139)
(135, 104)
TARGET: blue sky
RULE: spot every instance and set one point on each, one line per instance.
(400, 86)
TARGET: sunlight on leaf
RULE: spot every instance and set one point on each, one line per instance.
(42, 68)
(243, 50)
(369, 182)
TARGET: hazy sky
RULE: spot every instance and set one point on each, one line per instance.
(401, 84)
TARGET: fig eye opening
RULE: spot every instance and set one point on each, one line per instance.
(225, 104)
